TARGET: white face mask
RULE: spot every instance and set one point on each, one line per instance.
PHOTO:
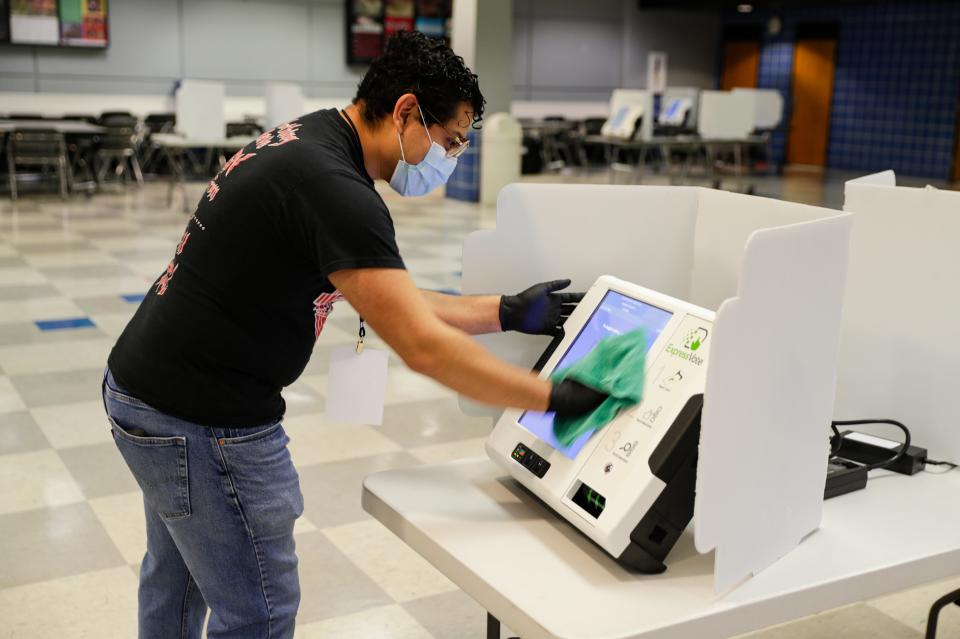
(426, 175)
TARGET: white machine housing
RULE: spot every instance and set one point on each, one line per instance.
(615, 464)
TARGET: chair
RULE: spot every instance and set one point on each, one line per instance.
(115, 114)
(150, 152)
(81, 117)
(118, 144)
(81, 147)
(37, 147)
(244, 129)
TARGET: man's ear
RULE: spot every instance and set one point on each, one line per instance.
(404, 106)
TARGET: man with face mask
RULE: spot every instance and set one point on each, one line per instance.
(291, 225)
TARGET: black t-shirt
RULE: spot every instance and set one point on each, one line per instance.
(234, 316)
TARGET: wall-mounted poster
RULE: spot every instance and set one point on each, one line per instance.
(371, 22)
(364, 30)
(398, 17)
(433, 17)
(83, 23)
(34, 22)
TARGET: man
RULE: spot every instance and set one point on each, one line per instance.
(291, 225)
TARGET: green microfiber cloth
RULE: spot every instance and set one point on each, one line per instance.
(614, 366)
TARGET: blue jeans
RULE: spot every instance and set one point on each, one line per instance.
(220, 505)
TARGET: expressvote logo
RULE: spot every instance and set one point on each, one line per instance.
(692, 342)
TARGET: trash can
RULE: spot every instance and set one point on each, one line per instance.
(500, 155)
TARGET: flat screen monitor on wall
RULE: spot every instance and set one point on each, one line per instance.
(66, 23)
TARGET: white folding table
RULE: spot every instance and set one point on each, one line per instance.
(175, 148)
(542, 578)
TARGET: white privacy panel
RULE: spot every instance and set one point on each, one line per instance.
(769, 398)
(546, 232)
(768, 106)
(898, 355)
(725, 115)
(771, 380)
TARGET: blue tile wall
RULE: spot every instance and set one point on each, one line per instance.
(464, 183)
(896, 88)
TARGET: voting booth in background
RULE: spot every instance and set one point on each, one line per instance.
(898, 356)
(200, 113)
(679, 109)
(726, 115)
(626, 107)
(284, 102)
(767, 107)
(774, 273)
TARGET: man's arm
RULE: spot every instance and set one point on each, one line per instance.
(473, 314)
(393, 306)
(539, 310)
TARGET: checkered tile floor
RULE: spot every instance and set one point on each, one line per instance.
(71, 523)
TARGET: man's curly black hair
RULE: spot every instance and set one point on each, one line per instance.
(425, 67)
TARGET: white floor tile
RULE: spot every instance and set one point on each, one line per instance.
(400, 571)
(41, 481)
(10, 400)
(132, 243)
(386, 622)
(44, 308)
(123, 519)
(91, 605)
(92, 287)
(69, 425)
(26, 237)
(911, 607)
(403, 385)
(17, 276)
(465, 449)
(314, 440)
(71, 258)
(54, 356)
(113, 323)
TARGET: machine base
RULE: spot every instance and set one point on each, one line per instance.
(675, 462)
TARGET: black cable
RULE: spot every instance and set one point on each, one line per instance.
(858, 422)
(934, 462)
(836, 441)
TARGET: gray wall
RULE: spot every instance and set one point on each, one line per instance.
(575, 50)
(562, 49)
(155, 42)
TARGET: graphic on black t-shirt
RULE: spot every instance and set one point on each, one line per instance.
(233, 318)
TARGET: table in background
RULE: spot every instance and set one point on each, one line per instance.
(176, 149)
(67, 127)
(693, 144)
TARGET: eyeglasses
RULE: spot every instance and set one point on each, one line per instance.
(457, 144)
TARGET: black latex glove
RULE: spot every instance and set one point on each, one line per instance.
(539, 310)
(570, 398)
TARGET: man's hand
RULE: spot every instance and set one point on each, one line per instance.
(539, 310)
(570, 398)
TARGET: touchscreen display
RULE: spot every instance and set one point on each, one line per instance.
(615, 315)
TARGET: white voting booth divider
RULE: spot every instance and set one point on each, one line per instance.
(777, 338)
(767, 109)
(899, 357)
(626, 105)
(284, 101)
(200, 112)
(726, 115)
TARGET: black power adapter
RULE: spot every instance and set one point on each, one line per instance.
(844, 476)
(871, 450)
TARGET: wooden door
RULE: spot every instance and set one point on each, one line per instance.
(814, 62)
(741, 59)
